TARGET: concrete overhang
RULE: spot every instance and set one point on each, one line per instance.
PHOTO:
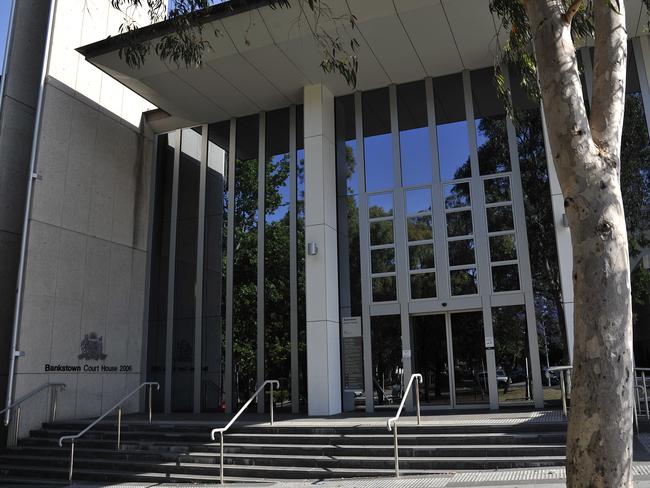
(261, 57)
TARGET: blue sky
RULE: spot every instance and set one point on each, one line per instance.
(5, 7)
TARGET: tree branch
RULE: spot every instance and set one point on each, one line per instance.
(610, 59)
(571, 11)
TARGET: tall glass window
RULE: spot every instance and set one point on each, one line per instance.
(185, 274)
(387, 371)
(377, 141)
(159, 267)
(277, 299)
(245, 258)
(415, 145)
(300, 237)
(214, 266)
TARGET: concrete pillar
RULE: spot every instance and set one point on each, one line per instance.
(321, 269)
(563, 242)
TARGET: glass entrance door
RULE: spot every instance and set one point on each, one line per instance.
(457, 339)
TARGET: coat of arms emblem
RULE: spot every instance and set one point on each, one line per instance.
(92, 348)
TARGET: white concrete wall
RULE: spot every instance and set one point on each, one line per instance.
(86, 253)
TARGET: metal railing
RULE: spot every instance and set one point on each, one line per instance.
(13, 438)
(222, 430)
(391, 423)
(565, 383)
(74, 437)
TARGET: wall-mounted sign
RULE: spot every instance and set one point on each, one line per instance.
(489, 342)
(92, 348)
(351, 327)
(406, 354)
(352, 353)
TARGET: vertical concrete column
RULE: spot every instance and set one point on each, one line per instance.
(321, 268)
(563, 241)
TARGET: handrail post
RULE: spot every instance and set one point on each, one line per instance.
(271, 398)
(417, 398)
(119, 427)
(645, 395)
(14, 441)
(150, 388)
(221, 459)
(55, 391)
(396, 449)
(563, 392)
(71, 461)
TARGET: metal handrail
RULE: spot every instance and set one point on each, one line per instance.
(55, 388)
(222, 430)
(564, 370)
(391, 423)
(74, 437)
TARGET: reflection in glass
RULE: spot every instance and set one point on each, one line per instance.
(418, 200)
(511, 351)
(300, 246)
(457, 195)
(382, 260)
(503, 248)
(423, 285)
(505, 278)
(500, 218)
(419, 228)
(245, 259)
(277, 338)
(384, 289)
(464, 281)
(459, 223)
(380, 205)
(214, 266)
(421, 257)
(497, 190)
(415, 148)
(377, 142)
(346, 146)
(461, 252)
(381, 232)
(187, 224)
(430, 358)
(470, 369)
(453, 140)
(387, 372)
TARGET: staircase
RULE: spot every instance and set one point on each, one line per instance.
(183, 451)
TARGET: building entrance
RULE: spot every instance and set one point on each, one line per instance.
(449, 352)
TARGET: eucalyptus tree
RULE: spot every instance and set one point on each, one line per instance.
(586, 150)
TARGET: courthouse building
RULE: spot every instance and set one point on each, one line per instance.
(259, 219)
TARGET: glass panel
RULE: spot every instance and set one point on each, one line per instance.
(464, 281)
(514, 380)
(378, 142)
(419, 228)
(505, 278)
(421, 257)
(386, 346)
(500, 218)
(497, 190)
(503, 248)
(245, 259)
(491, 132)
(214, 266)
(415, 149)
(277, 338)
(346, 146)
(187, 224)
(418, 200)
(381, 232)
(457, 195)
(430, 358)
(470, 369)
(549, 308)
(461, 252)
(384, 289)
(300, 245)
(158, 275)
(382, 260)
(380, 205)
(459, 223)
(453, 141)
(423, 285)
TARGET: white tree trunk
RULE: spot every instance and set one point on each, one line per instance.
(586, 154)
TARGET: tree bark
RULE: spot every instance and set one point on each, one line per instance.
(587, 154)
